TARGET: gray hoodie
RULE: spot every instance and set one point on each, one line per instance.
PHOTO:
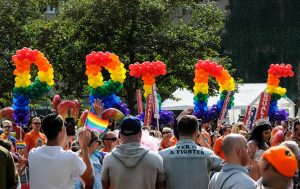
(132, 166)
(130, 154)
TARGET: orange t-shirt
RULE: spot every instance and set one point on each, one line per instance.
(218, 147)
(34, 139)
(104, 150)
(207, 136)
(168, 142)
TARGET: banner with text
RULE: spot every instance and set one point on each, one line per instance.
(155, 102)
(263, 107)
(250, 117)
(224, 108)
(139, 101)
(247, 115)
(148, 111)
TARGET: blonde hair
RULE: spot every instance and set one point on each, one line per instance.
(38, 118)
(237, 127)
(244, 133)
(6, 121)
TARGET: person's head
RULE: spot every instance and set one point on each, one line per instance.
(205, 126)
(244, 133)
(261, 133)
(237, 127)
(94, 142)
(6, 127)
(110, 140)
(54, 129)
(285, 124)
(235, 149)
(166, 130)
(7, 144)
(241, 118)
(75, 146)
(155, 133)
(293, 146)
(36, 124)
(296, 130)
(146, 128)
(188, 127)
(131, 130)
(225, 130)
(278, 167)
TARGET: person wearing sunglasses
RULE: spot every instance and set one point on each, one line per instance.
(110, 141)
(96, 160)
(7, 128)
(168, 139)
(34, 138)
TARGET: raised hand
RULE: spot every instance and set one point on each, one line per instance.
(98, 107)
(84, 138)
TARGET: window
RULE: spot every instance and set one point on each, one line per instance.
(50, 9)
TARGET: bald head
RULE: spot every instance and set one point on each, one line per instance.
(231, 142)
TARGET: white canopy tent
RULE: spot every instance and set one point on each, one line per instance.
(248, 95)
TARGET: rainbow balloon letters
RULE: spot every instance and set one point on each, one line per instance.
(148, 71)
(106, 90)
(204, 69)
(274, 73)
(24, 89)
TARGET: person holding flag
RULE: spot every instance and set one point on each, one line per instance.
(44, 174)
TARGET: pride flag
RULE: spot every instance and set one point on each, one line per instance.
(20, 144)
(95, 123)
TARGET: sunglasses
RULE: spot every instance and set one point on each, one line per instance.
(37, 123)
(6, 127)
(165, 133)
(112, 139)
(96, 140)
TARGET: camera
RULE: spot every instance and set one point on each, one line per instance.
(70, 126)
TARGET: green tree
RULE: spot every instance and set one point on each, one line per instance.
(176, 32)
(14, 15)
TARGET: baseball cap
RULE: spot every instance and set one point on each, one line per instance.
(282, 159)
(130, 126)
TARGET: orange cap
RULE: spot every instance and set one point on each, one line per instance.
(282, 159)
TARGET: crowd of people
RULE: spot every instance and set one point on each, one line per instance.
(187, 155)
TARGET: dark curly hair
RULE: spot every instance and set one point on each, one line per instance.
(256, 134)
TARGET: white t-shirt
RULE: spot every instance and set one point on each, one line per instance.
(51, 167)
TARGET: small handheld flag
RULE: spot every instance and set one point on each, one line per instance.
(95, 123)
(20, 144)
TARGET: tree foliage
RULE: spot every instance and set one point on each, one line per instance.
(14, 16)
(176, 32)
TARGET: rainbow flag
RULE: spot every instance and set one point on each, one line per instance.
(20, 144)
(95, 123)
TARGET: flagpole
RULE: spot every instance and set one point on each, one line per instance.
(157, 123)
(20, 133)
